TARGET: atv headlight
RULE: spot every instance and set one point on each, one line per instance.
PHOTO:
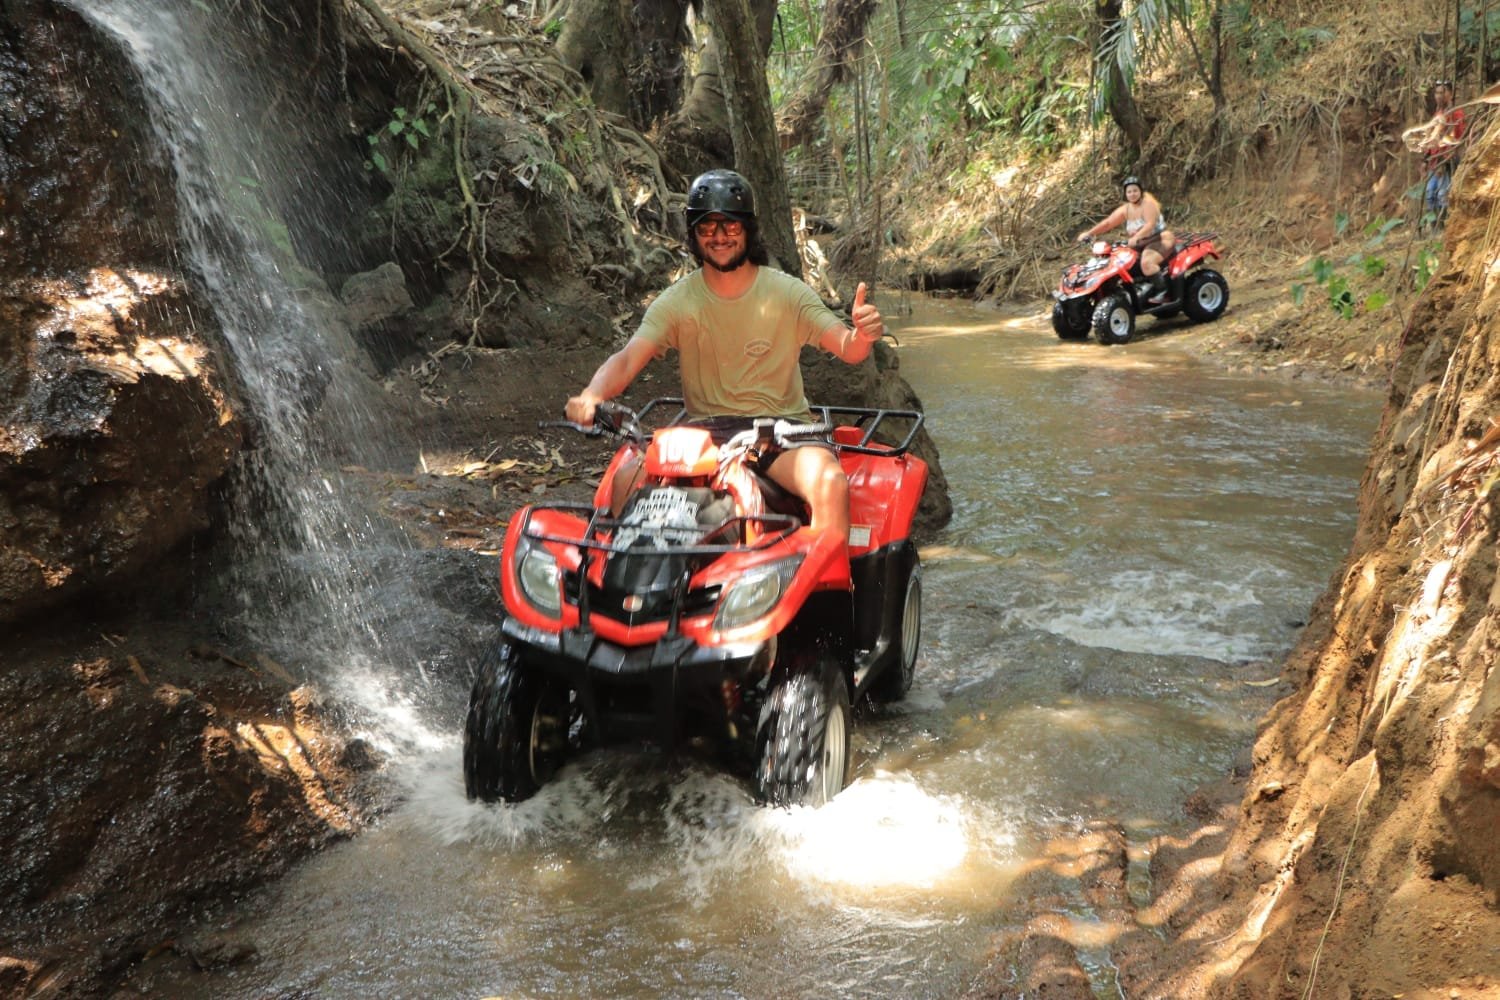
(537, 572)
(754, 593)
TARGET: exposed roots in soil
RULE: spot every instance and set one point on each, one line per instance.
(509, 71)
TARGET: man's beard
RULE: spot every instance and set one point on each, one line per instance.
(735, 262)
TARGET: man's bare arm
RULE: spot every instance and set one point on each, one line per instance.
(612, 378)
(853, 345)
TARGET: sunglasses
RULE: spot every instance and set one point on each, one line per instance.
(729, 227)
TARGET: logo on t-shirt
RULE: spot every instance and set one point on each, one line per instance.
(757, 348)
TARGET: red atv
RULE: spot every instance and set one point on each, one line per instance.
(1106, 293)
(706, 614)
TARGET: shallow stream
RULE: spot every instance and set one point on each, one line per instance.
(1137, 538)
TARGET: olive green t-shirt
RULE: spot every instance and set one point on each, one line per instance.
(739, 357)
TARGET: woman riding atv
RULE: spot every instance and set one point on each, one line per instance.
(1145, 228)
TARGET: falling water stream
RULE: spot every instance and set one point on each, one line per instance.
(1136, 540)
(317, 582)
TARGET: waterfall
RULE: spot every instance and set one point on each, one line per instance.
(317, 580)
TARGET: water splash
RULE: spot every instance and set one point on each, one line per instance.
(1160, 612)
(879, 841)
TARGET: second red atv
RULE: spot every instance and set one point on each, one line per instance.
(708, 613)
(1106, 293)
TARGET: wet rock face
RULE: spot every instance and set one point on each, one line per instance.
(133, 787)
(877, 383)
(113, 421)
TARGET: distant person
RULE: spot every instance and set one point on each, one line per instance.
(739, 326)
(1145, 228)
(1440, 151)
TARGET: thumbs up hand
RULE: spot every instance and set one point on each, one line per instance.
(867, 322)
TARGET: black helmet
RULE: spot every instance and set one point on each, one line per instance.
(721, 191)
(1132, 179)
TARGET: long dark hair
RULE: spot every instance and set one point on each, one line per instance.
(755, 243)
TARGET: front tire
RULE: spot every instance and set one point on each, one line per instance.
(516, 735)
(895, 681)
(1114, 319)
(1070, 319)
(802, 739)
(1206, 296)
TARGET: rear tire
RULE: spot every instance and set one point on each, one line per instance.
(895, 681)
(1070, 319)
(1206, 296)
(802, 739)
(516, 736)
(1114, 319)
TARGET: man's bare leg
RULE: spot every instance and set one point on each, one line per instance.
(815, 475)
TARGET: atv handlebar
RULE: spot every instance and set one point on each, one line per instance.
(619, 420)
(615, 419)
(781, 433)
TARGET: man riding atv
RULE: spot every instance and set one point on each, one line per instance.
(739, 326)
(691, 603)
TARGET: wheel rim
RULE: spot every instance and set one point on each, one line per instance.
(835, 739)
(1119, 321)
(911, 623)
(1209, 296)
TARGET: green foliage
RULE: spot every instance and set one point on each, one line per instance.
(1325, 274)
(1426, 266)
(248, 203)
(977, 69)
(1342, 282)
(952, 58)
(1470, 24)
(403, 131)
(1142, 33)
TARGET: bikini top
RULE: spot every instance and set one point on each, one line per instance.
(1132, 226)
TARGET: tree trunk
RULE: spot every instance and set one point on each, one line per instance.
(659, 68)
(843, 32)
(752, 126)
(629, 52)
(596, 40)
(697, 138)
(1121, 102)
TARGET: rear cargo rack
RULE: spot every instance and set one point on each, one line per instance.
(867, 421)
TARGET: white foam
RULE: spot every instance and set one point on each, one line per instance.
(1170, 613)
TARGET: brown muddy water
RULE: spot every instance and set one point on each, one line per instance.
(1137, 538)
